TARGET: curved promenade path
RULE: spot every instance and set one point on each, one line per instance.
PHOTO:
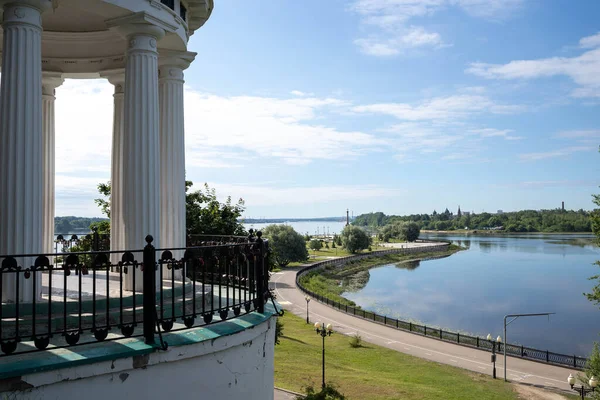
(518, 370)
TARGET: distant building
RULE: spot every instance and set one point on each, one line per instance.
(500, 212)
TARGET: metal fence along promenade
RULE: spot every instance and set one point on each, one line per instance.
(528, 353)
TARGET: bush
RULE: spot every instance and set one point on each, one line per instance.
(315, 244)
(356, 341)
(278, 330)
(329, 392)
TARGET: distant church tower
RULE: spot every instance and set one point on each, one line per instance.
(347, 217)
(459, 214)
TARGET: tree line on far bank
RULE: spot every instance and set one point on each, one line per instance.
(557, 220)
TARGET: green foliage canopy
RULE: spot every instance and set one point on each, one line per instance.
(594, 296)
(354, 239)
(204, 213)
(556, 220)
(287, 244)
(315, 244)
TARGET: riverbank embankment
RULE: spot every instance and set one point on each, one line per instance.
(333, 280)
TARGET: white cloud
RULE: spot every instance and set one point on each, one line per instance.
(300, 94)
(590, 42)
(409, 39)
(84, 126)
(440, 108)
(583, 134)
(545, 184)
(564, 152)
(489, 9)
(286, 129)
(582, 69)
(263, 195)
(388, 22)
(492, 132)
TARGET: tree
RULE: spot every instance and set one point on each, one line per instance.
(410, 231)
(315, 244)
(354, 239)
(104, 203)
(594, 296)
(287, 244)
(206, 215)
(592, 368)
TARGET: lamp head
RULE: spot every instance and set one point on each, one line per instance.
(329, 328)
(489, 337)
(317, 325)
(571, 380)
(593, 382)
(499, 339)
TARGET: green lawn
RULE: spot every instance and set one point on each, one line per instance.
(373, 372)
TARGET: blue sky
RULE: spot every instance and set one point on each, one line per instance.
(306, 108)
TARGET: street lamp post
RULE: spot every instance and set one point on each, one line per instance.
(514, 318)
(307, 301)
(323, 331)
(499, 340)
(582, 390)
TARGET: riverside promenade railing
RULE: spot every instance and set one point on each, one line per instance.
(106, 295)
(528, 353)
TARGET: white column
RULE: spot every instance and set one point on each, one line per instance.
(141, 173)
(172, 150)
(50, 81)
(116, 173)
(21, 156)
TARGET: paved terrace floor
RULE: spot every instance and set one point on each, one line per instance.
(518, 370)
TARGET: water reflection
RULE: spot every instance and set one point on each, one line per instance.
(409, 265)
(471, 291)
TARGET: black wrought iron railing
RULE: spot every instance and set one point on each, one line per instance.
(92, 241)
(544, 356)
(106, 295)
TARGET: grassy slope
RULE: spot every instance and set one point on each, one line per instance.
(373, 372)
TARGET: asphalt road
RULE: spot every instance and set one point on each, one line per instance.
(518, 370)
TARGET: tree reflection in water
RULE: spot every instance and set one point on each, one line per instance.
(409, 265)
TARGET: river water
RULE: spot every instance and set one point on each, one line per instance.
(472, 290)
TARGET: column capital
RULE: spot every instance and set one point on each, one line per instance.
(171, 64)
(139, 25)
(116, 78)
(24, 11)
(50, 81)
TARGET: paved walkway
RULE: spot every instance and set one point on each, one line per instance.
(282, 395)
(518, 370)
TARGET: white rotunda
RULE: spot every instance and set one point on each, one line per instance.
(140, 46)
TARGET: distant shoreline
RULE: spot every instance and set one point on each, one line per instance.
(282, 220)
(501, 233)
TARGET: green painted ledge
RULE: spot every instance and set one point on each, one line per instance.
(26, 364)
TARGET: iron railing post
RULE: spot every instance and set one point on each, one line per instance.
(95, 239)
(149, 290)
(260, 271)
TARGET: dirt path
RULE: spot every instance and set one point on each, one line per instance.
(532, 393)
